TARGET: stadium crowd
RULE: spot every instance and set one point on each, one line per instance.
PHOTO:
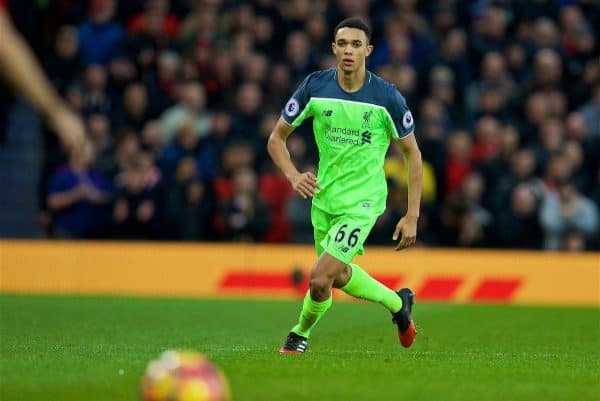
(180, 96)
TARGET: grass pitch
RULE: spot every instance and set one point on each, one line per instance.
(96, 348)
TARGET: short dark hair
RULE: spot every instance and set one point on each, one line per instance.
(354, 22)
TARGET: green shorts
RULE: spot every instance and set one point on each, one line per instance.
(342, 236)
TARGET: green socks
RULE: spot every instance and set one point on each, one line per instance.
(312, 311)
(361, 285)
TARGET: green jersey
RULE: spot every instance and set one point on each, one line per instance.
(353, 132)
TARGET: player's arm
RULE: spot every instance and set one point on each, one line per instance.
(21, 71)
(303, 183)
(408, 224)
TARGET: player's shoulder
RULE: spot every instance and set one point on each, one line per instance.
(319, 78)
(321, 75)
(383, 87)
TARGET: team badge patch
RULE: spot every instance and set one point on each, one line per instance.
(292, 107)
(407, 120)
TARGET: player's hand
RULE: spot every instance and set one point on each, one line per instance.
(408, 227)
(305, 184)
(69, 128)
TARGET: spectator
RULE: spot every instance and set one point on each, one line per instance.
(98, 127)
(453, 50)
(187, 145)
(433, 123)
(245, 216)
(487, 143)
(279, 85)
(441, 87)
(581, 176)
(564, 211)
(165, 88)
(121, 72)
(135, 212)
(537, 110)
(519, 227)
(135, 109)
(297, 51)
(248, 114)
(590, 111)
(489, 29)
(152, 138)
(472, 193)
(493, 74)
(189, 108)
(516, 61)
(557, 171)
(155, 16)
(78, 196)
(545, 34)
(522, 169)
(458, 160)
(492, 170)
(127, 148)
(256, 69)
(64, 66)
(549, 141)
(95, 96)
(547, 72)
(201, 25)
(405, 79)
(100, 36)
(150, 32)
(194, 216)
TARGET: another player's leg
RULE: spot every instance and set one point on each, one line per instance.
(316, 302)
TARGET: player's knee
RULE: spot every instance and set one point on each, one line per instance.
(343, 277)
(320, 285)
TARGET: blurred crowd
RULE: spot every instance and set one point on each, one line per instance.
(180, 96)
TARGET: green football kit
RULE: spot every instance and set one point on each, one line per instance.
(353, 132)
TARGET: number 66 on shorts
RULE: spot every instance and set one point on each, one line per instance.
(341, 236)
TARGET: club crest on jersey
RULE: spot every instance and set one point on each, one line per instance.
(367, 118)
(407, 120)
(292, 107)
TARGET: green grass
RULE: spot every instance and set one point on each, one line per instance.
(95, 348)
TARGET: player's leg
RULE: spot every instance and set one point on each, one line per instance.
(350, 233)
(361, 284)
(353, 280)
(318, 298)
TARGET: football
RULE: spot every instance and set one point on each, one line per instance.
(184, 376)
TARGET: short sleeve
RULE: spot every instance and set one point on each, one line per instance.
(401, 121)
(296, 109)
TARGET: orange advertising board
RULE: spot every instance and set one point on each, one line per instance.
(232, 270)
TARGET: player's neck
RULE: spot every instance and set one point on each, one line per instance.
(351, 81)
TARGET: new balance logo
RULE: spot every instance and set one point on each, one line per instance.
(366, 137)
(327, 113)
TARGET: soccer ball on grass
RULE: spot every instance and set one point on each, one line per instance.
(183, 376)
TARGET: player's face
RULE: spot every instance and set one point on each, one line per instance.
(351, 48)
